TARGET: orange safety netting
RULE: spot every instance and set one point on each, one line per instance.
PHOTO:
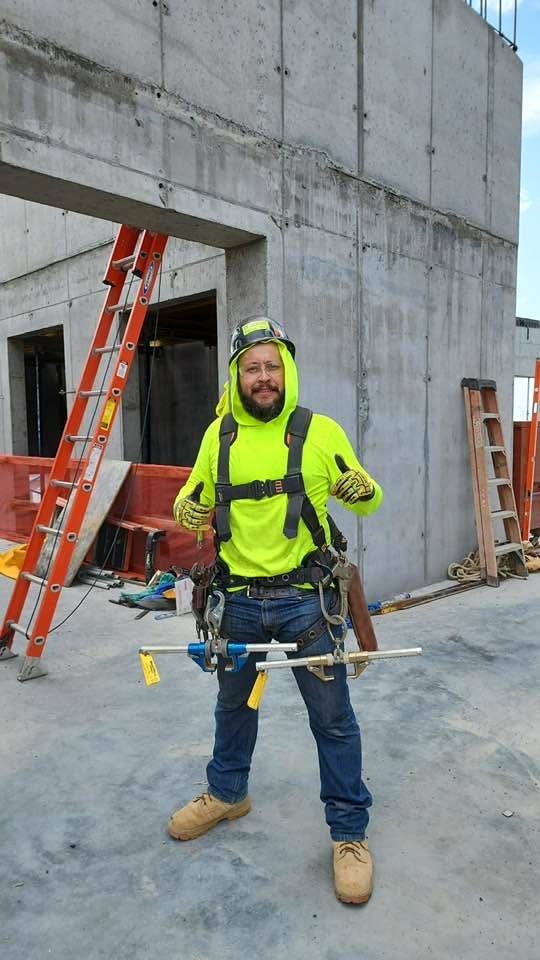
(142, 506)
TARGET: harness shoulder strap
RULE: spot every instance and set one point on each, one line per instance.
(227, 435)
(298, 504)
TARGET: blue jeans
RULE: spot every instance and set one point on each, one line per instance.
(331, 717)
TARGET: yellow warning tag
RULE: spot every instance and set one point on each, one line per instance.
(149, 668)
(257, 691)
(108, 414)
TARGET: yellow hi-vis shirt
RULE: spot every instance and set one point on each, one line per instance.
(258, 546)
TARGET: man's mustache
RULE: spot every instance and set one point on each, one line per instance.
(265, 386)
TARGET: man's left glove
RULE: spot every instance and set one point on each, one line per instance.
(191, 514)
(353, 485)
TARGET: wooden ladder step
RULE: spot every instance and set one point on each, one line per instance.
(502, 548)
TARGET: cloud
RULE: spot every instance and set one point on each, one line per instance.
(525, 201)
(531, 98)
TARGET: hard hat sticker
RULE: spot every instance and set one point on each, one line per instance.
(254, 325)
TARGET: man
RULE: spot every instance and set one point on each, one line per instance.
(271, 537)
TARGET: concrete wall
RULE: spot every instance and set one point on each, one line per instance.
(527, 344)
(352, 168)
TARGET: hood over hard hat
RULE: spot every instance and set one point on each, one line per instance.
(257, 330)
(266, 331)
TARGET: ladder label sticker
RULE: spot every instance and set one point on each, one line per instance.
(149, 669)
(122, 370)
(92, 465)
(148, 276)
(108, 414)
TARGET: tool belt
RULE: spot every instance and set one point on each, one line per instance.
(316, 569)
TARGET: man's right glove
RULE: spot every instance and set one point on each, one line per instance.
(191, 514)
(353, 485)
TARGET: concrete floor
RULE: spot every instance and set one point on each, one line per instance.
(92, 762)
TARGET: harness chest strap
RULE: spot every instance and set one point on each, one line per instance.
(291, 485)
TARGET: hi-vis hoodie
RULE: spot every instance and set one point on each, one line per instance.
(258, 547)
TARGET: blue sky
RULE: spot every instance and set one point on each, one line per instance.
(528, 39)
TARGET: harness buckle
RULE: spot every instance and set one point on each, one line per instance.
(266, 488)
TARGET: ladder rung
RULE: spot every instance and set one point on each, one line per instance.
(496, 449)
(503, 514)
(67, 484)
(115, 346)
(125, 263)
(499, 481)
(17, 627)
(501, 548)
(92, 393)
(491, 416)
(117, 307)
(78, 437)
(54, 531)
(34, 579)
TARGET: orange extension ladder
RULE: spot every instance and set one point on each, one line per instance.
(483, 417)
(140, 251)
(531, 458)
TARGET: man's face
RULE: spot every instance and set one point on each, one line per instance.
(261, 381)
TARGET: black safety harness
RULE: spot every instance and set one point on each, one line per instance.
(317, 566)
(292, 484)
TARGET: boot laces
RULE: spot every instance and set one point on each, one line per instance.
(205, 797)
(355, 847)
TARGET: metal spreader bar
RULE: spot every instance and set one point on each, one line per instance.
(246, 648)
(205, 653)
(359, 658)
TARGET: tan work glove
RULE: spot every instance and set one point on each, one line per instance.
(191, 514)
(353, 485)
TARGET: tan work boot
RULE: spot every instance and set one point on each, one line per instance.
(353, 871)
(202, 813)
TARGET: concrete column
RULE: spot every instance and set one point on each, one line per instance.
(17, 389)
(254, 279)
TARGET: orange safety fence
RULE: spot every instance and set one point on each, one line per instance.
(143, 505)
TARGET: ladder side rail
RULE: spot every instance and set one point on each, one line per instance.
(531, 458)
(79, 501)
(477, 411)
(474, 476)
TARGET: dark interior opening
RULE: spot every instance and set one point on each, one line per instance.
(45, 389)
(177, 360)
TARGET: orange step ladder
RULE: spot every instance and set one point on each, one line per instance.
(531, 458)
(140, 251)
(485, 436)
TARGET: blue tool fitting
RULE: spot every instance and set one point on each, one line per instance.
(237, 653)
(202, 654)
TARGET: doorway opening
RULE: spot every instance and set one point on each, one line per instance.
(173, 388)
(38, 391)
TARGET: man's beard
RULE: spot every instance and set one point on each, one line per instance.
(264, 413)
